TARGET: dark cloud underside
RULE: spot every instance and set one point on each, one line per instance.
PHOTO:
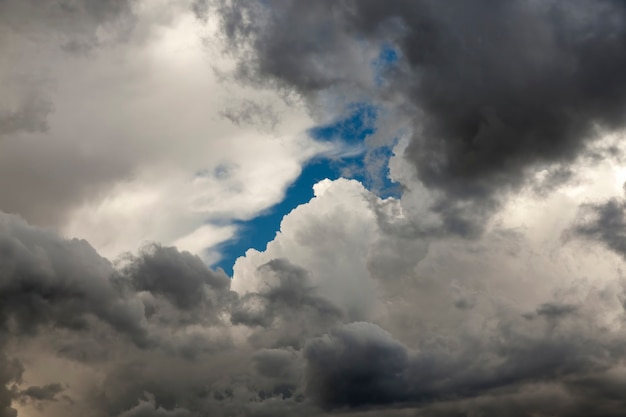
(490, 89)
(301, 357)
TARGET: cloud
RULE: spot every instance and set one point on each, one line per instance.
(115, 147)
(30, 117)
(43, 282)
(180, 278)
(329, 236)
(28, 28)
(489, 93)
(604, 222)
(82, 24)
(33, 35)
(356, 365)
(148, 408)
(10, 372)
(41, 393)
(288, 340)
(361, 365)
(360, 305)
(288, 309)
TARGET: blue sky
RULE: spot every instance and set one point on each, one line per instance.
(350, 131)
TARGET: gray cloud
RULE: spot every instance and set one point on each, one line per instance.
(357, 365)
(143, 316)
(168, 351)
(603, 222)
(275, 363)
(555, 311)
(248, 112)
(11, 371)
(490, 90)
(34, 34)
(288, 310)
(30, 117)
(454, 328)
(179, 277)
(360, 365)
(148, 408)
(41, 393)
(76, 21)
(45, 280)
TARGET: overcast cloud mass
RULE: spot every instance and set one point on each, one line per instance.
(466, 260)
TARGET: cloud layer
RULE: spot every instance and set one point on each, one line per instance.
(492, 285)
(489, 92)
(490, 326)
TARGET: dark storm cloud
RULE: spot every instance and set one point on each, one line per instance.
(48, 282)
(603, 222)
(299, 357)
(274, 363)
(154, 323)
(42, 393)
(50, 286)
(290, 297)
(179, 277)
(45, 280)
(491, 89)
(11, 371)
(357, 365)
(360, 366)
(539, 399)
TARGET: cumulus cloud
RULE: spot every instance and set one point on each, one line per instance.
(95, 141)
(340, 215)
(180, 278)
(360, 305)
(489, 92)
(44, 283)
(173, 338)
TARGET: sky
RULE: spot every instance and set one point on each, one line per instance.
(255, 208)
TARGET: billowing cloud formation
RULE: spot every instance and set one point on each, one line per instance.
(90, 131)
(360, 305)
(604, 222)
(466, 327)
(489, 92)
(43, 283)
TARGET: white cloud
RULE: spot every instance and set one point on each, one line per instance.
(394, 275)
(137, 148)
(331, 236)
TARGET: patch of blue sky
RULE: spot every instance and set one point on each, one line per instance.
(353, 129)
(353, 160)
(349, 133)
(368, 166)
(257, 232)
